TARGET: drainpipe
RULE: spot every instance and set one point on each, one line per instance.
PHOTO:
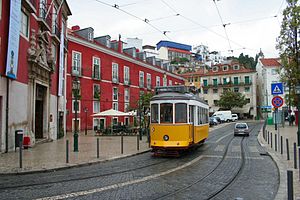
(6, 115)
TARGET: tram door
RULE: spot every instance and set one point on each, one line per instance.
(192, 119)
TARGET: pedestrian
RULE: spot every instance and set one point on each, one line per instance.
(292, 119)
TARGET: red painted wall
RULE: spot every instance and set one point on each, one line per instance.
(106, 85)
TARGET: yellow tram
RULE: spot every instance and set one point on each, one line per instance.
(179, 119)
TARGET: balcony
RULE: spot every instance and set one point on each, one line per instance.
(44, 20)
(55, 32)
(126, 82)
(30, 5)
(115, 80)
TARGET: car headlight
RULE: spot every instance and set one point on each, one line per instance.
(166, 137)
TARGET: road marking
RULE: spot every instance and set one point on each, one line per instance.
(220, 147)
(236, 148)
(253, 149)
(232, 157)
(221, 138)
(118, 185)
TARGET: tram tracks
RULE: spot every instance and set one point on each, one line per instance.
(207, 176)
(83, 177)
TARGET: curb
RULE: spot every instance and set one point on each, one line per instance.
(74, 165)
(281, 168)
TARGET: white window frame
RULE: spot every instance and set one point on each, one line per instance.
(225, 67)
(76, 62)
(24, 13)
(97, 59)
(126, 105)
(148, 80)
(115, 103)
(126, 75)
(79, 106)
(236, 67)
(126, 94)
(141, 79)
(99, 119)
(0, 9)
(113, 90)
(165, 81)
(54, 18)
(96, 85)
(214, 68)
(113, 120)
(115, 67)
(170, 82)
(94, 106)
(157, 82)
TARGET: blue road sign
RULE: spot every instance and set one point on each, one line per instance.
(276, 88)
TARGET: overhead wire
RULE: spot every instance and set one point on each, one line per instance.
(132, 15)
(223, 24)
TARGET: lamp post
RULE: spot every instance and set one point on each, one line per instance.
(297, 91)
(140, 112)
(76, 93)
(85, 110)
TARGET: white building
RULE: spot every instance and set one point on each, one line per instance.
(268, 73)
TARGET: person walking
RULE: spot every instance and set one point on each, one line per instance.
(292, 119)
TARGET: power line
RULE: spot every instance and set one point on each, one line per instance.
(223, 24)
(132, 15)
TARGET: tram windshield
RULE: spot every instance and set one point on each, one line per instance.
(166, 113)
(180, 113)
(154, 113)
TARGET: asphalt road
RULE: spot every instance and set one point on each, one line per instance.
(225, 167)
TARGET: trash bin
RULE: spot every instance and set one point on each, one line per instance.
(18, 138)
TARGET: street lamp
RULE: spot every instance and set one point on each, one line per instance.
(76, 88)
(297, 91)
(85, 110)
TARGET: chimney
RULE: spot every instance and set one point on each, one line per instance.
(75, 28)
(120, 44)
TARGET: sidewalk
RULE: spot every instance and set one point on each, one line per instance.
(290, 133)
(52, 155)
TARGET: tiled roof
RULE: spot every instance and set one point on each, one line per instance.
(271, 62)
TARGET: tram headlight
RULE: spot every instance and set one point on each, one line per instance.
(166, 137)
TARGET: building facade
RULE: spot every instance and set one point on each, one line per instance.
(173, 51)
(110, 77)
(268, 70)
(221, 77)
(31, 69)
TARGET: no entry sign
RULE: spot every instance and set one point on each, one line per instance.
(277, 101)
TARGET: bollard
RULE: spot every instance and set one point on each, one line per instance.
(295, 156)
(138, 142)
(281, 145)
(97, 147)
(268, 137)
(122, 142)
(20, 152)
(290, 189)
(275, 142)
(287, 149)
(271, 140)
(299, 161)
(67, 151)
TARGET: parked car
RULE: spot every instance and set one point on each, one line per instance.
(234, 117)
(241, 129)
(218, 119)
(224, 115)
(212, 121)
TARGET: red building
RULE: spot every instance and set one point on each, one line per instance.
(109, 77)
(31, 85)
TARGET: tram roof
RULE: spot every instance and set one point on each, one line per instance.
(177, 96)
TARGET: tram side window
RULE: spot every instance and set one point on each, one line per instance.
(166, 113)
(180, 113)
(199, 115)
(154, 113)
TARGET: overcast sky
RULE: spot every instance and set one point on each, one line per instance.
(251, 24)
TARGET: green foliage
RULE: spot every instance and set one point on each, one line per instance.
(230, 99)
(248, 61)
(287, 42)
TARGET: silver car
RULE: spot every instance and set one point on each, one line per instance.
(241, 129)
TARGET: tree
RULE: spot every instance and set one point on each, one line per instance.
(288, 46)
(230, 99)
(246, 60)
